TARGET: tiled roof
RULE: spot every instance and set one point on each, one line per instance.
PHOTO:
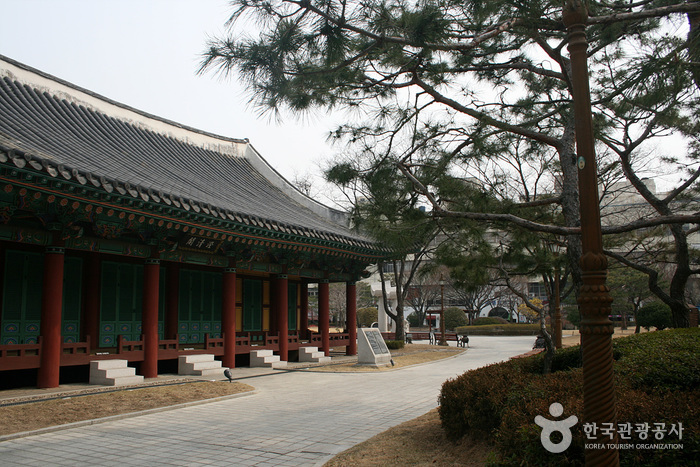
(73, 133)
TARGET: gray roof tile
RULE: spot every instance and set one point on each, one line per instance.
(106, 151)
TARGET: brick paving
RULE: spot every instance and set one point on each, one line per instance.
(295, 418)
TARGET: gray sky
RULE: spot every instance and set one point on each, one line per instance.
(145, 54)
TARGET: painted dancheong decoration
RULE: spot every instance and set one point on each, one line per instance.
(136, 238)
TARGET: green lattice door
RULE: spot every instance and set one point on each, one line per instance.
(121, 302)
(252, 305)
(292, 307)
(21, 299)
(199, 306)
(21, 304)
(72, 299)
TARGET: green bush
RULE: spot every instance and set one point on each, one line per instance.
(656, 376)
(574, 317)
(455, 317)
(654, 315)
(394, 345)
(367, 316)
(489, 320)
(660, 361)
(500, 330)
(413, 320)
(568, 358)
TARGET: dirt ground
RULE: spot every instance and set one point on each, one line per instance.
(35, 415)
(411, 354)
(570, 338)
(418, 442)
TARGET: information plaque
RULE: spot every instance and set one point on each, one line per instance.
(371, 348)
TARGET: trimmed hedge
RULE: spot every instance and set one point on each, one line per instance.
(500, 330)
(489, 320)
(656, 379)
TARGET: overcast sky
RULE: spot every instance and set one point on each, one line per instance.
(145, 53)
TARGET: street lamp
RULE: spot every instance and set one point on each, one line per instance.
(594, 296)
(557, 301)
(442, 311)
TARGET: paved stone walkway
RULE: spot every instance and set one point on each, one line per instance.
(295, 418)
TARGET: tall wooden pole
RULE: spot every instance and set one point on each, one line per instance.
(443, 341)
(282, 312)
(557, 311)
(51, 318)
(324, 316)
(228, 315)
(149, 319)
(351, 317)
(304, 322)
(594, 296)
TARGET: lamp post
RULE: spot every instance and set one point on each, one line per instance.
(557, 304)
(442, 311)
(594, 297)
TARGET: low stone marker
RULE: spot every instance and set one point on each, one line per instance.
(371, 348)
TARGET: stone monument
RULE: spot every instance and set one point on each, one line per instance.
(371, 348)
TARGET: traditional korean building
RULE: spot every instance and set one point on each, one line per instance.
(124, 235)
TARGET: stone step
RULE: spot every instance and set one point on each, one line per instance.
(113, 373)
(112, 363)
(312, 354)
(202, 357)
(205, 365)
(121, 381)
(265, 359)
(199, 365)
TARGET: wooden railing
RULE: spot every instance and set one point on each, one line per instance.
(125, 346)
(20, 356)
(77, 348)
(25, 356)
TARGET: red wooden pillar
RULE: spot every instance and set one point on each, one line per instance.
(282, 313)
(304, 324)
(149, 326)
(91, 305)
(228, 317)
(324, 316)
(51, 310)
(351, 316)
(172, 290)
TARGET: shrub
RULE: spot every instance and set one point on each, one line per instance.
(574, 317)
(413, 320)
(367, 316)
(394, 345)
(660, 361)
(500, 329)
(454, 317)
(473, 401)
(655, 314)
(565, 359)
(656, 379)
(489, 320)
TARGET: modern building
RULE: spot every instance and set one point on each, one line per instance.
(124, 235)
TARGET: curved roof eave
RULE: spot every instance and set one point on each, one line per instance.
(148, 156)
